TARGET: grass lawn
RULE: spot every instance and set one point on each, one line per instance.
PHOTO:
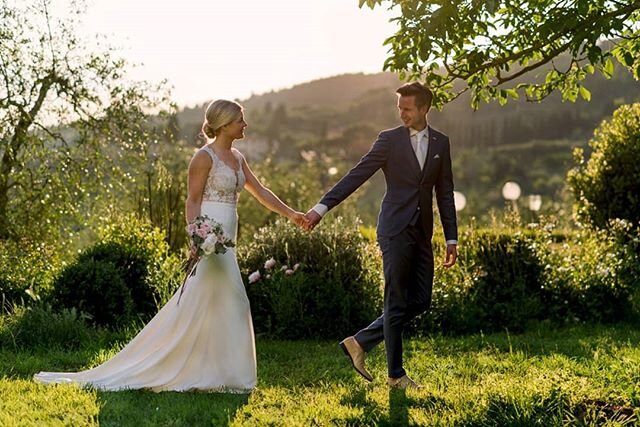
(585, 375)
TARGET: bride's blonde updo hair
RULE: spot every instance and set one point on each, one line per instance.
(219, 113)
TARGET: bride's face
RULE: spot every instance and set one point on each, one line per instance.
(235, 129)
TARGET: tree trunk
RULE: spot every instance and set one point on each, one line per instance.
(4, 201)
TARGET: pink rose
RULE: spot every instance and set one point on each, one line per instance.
(254, 277)
(270, 263)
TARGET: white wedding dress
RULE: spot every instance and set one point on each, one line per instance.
(205, 342)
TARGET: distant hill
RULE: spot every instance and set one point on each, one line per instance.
(332, 105)
(333, 92)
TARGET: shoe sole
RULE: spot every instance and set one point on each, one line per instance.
(344, 348)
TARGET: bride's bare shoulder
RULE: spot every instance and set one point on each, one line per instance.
(200, 160)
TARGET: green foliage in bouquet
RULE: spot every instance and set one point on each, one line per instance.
(126, 275)
(336, 287)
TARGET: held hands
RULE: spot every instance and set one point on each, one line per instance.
(451, 256)
(313, 218)
(299, 219)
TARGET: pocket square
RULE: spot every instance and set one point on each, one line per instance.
(437, 156)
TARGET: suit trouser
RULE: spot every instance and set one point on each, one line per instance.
(407, 260)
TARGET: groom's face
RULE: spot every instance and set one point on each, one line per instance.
(411, 115)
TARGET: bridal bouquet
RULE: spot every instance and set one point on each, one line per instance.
(206, 237)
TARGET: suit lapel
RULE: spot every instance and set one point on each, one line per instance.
(433, 141)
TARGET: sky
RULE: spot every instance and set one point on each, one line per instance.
(236, 48)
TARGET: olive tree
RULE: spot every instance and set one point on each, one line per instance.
(69, 119)
(493, 47)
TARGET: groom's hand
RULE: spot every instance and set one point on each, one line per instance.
(299, 219)
(452, 255)
(313, 218)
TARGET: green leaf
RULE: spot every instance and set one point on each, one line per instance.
(608, 69)
(628, 59)
(492, 6)
(502, 97)
(585, 93)
(513, 93)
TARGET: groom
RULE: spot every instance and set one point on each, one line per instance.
(415, 159)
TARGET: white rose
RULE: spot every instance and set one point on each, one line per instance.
(289, 272)
(209, 245)
(295, 267)
(254, 277)
(284, 268)
(270, 263)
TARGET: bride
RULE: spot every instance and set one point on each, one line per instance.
(206, 342)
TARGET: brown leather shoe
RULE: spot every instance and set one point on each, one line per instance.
(403, 383)
(353, 350)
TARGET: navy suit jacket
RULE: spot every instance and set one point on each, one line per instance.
(409, 189)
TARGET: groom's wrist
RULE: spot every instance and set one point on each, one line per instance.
(320, 209)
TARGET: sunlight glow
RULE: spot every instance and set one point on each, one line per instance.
(234, 48)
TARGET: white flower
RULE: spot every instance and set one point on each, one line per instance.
(209, 244)
(295, 267)
(254, 277)
(270, 263)
(284, 268)
(289, 272)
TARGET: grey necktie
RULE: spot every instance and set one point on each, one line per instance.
(421, 149)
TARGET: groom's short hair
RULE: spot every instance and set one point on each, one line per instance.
(423, 94)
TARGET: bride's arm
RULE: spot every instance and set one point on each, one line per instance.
(197, 179)
(267, 198)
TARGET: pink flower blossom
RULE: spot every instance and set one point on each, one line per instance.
(202, 233)
(270, 263)
(254, 277)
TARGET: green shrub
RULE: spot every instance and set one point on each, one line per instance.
(163, 268)
(125, 276)
(336, 289)
(27, 270)
(506, 292)
(496, 284)
(39, 326)
(593, 277)
(96, 286)
(607, 186)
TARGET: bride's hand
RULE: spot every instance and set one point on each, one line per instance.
(299, 219)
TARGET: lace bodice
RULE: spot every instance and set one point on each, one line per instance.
(223, 183)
